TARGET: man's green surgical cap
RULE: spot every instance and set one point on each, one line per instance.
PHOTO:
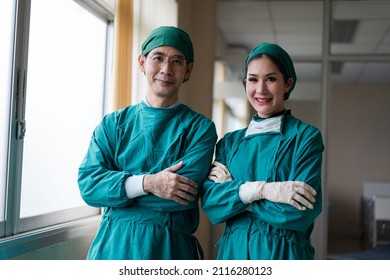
(169, 36)
(280, 55)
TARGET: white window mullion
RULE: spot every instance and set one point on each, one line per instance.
(19, 72)
(7, 18)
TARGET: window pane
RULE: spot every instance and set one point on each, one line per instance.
(64, 102)
(360, 27)
(6, 28)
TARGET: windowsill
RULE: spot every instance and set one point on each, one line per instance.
(13, 246)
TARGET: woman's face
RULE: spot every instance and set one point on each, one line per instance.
(265, 86)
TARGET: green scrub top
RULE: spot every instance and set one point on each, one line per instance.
(143, 140)
(265, 229)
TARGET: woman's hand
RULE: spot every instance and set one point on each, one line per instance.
(219, 173)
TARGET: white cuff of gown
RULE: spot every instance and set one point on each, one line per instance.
(249, 192)
(134, 186)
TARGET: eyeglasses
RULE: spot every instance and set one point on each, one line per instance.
(176, 62)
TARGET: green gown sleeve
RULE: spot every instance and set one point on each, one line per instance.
(221, 201)
(306, 166)
(101, 183)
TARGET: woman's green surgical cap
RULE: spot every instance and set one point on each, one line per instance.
(280, 55)
(169, 36)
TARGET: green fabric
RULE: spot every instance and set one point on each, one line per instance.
(144, 140)
(169, 36)
(280, 55)
(270, 230)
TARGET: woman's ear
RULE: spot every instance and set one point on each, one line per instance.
(289, 83)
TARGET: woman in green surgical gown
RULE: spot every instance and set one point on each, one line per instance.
(265, 184)
(146, 161)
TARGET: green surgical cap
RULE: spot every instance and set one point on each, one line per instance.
(169, 36)
(280, 55)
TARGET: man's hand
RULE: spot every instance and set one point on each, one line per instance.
(169, 185)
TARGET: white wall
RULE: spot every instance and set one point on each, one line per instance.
(358, 149)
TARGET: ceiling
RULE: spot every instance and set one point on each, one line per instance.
(360, 35)
(359, 38)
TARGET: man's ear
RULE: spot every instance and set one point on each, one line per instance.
(141, 62)
(190, 66)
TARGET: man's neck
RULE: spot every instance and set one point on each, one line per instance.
(162, 103)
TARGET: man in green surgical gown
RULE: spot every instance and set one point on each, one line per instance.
(145, 162)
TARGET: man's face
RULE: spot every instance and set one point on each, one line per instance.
(165, 69)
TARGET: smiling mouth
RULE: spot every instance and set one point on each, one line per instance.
(165, 82)
(263, 100)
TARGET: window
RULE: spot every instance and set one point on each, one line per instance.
(65, 86)
(57, 82)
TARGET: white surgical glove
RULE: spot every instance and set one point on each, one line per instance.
(219, 173)
(298, 194)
